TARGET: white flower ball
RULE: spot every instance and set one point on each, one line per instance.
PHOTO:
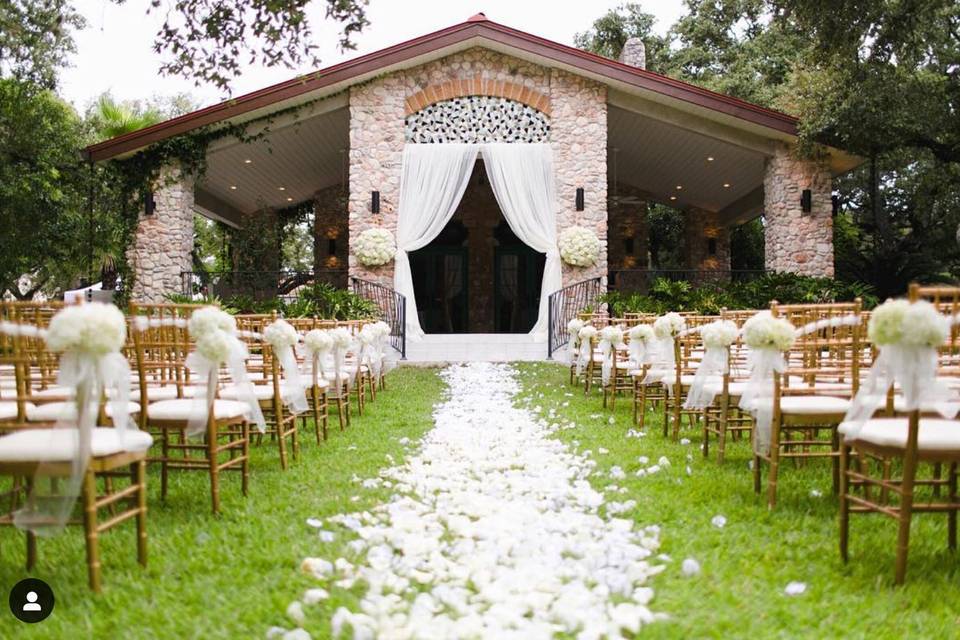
(641, 333)
(93, 328)
(209, 319)
(612, 334)
(579, 246)
(719, 334)
(318, 341)
(281, 334)
(374, 247)
(923, 326)
(574, 326)
(341, 338)
(763, 331)
(589, 332)
(215, 345)
(669, 325)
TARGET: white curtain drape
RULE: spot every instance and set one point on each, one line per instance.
(433, 180)
(522, 179)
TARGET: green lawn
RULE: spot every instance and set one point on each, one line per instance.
(747, 563)
(230, 576)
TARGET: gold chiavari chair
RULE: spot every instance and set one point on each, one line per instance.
(620, 379)
(318, 386)
(688, 351)
(647, 393)
(161, 353)
(271, 390)
(813, 394)
(724, 417)
(28, 452)
(910, 438)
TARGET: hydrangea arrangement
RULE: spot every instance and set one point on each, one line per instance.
(318, 341)
(641, 333)
(719, 334)
(763, 331)
(216, 346)
(94, 328)
(579, 246)
(341, 338)
(669, 325)
(281, 334)
(374, 247)
(612, 334)
(209, 319)
(574, 326)
(588, 332)
(914, 325)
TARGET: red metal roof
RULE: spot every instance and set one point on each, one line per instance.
(476, 26)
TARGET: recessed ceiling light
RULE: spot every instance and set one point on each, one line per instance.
(281, 188)
(673, 197)
(726, 185)
(289, 199)
(247, 161)
(233, 187)
(679, 186)
(709, 158)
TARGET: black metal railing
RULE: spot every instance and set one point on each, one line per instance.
(641, 279)
(564, 305)
(393, 309)
(259, 285)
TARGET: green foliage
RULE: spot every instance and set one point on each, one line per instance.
(747, 249)
(610, 32)
(319, 300)
(667, 295)
(112, 118)
(211, 40)
(666, 237)
(36, 39)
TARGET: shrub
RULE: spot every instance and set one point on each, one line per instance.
(679, 295)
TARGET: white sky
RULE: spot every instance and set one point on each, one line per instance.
(114, 53)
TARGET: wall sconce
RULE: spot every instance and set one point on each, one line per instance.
(375, 202)
(806, 201)
(712, 246)
(579, 198)
(149, 204)
(332, 246)
(835, 204)
(628, 246)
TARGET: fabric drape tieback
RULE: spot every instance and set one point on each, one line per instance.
(757, 398)
(703, 390)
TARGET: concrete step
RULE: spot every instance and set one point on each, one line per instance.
(476, 347)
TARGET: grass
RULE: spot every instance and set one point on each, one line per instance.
(230, 576)
(747, 563)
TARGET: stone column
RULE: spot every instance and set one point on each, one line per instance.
(163, 241)
(330, 227)
(798, 242)
(707, 242)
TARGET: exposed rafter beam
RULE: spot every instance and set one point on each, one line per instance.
(744, 209)
(210, 206)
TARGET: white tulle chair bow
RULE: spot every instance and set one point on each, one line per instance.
(611, 337)
(282, 337)
(717, 338)
(89, 338)
(586, 336)
(768, 338)
(907, 336)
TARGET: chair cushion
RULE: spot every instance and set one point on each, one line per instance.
(174, 410)
(8, 409)
(165, 392)
(260, 391)
(53, 392)
(53, 411)
(60, 445)
(935, 434)
(813, 405)
(733, 388)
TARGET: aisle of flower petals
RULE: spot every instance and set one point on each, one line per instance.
(493, 531)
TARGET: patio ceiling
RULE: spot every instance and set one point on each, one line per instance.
(286, 166)
(658, 157)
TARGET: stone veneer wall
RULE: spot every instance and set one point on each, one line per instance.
(330, 223)
(795, 241)
(700, 227)
(628, 222)
(163, 242)
(578, 136)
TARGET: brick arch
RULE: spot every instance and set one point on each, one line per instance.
(477, 86)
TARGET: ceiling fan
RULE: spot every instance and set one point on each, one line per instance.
(616, 199)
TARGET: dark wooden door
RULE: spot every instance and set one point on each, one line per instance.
(441, 287)
(518, 274)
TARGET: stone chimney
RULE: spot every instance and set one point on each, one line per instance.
(634, 53)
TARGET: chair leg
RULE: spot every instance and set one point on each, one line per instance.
(772, 475)
(89, 497)
(906, 515)
(643, 406)
(214, 471)
(138, 475)
(724, 418)
(164, 462)
(952, 514)
(837, 470)
(844, 505)
(245, 465)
